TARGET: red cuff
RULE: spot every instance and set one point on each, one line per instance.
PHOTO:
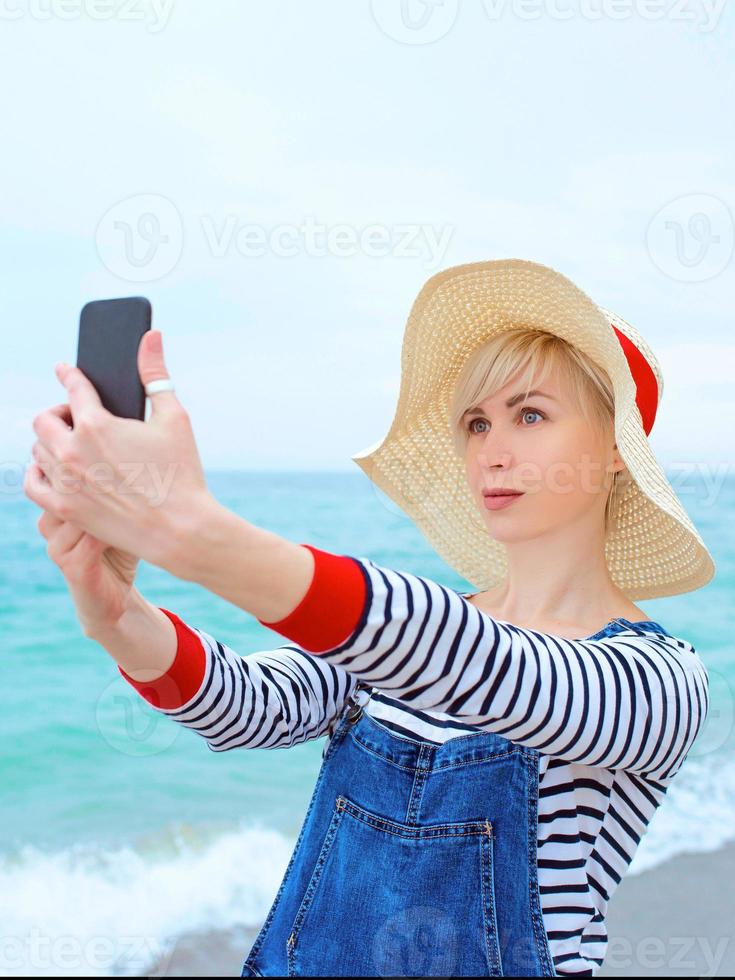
(333, 605)
(185, 675)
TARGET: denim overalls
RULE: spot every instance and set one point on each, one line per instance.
(414, 859)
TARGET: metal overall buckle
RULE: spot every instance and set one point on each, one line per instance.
(355, 711)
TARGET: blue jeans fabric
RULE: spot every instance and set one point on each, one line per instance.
(414, 859)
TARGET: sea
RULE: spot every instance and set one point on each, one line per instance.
(122, 831)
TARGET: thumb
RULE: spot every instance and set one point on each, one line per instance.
(152, 367)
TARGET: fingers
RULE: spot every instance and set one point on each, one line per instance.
(49, 467)
(36, 484)
(56, 416)
(47, 524)
(152, 367)
(83, 396)
(64, 535)
(63, 540)
(62, 411)
(54, 427)
(45, 460)
(42, 492)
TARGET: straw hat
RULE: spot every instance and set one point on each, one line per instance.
(652, 548)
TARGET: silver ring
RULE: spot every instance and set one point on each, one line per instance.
(162, 384)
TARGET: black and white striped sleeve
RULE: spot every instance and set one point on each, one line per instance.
(633, 701)
(268, 699)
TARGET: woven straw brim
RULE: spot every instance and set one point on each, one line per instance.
(652, 548)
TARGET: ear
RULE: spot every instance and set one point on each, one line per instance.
(617, 463)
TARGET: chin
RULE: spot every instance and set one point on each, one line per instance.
(505, 530)
(508, 537)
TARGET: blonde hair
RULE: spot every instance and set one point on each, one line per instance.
(538, 354)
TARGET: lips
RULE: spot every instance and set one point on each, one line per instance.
(502, 493)
(500, 500)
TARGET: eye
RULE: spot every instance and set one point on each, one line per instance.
(524, 411)
(531, 411)
(471, 423)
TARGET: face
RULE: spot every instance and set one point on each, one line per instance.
(545, 447)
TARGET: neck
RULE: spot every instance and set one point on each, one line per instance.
(561, 576)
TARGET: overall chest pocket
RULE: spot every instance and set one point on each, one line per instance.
(395, 899)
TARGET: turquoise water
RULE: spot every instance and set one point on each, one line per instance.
(144, 830)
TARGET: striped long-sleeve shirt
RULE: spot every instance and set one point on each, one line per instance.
(613, 717)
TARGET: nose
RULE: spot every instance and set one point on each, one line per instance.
(489, 461)
(491, 452)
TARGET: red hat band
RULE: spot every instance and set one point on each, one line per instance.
(645, 380)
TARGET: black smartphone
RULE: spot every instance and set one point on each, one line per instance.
(110, 331)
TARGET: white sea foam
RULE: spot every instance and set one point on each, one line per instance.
(87, 912)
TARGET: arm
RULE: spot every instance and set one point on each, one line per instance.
(269, 699)
(633, 702)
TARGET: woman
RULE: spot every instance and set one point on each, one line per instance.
(493, 759)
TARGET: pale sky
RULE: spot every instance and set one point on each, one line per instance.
(204, 154)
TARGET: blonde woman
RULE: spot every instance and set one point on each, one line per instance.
(493, 759)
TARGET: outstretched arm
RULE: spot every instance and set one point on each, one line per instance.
(268, 699)
(633, 702)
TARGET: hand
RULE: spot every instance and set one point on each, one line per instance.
(138, 486)
(100, 579)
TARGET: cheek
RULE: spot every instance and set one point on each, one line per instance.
(564, 472)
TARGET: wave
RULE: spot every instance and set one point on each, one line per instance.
(88, 911)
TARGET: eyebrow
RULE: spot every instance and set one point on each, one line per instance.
(476, 410)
